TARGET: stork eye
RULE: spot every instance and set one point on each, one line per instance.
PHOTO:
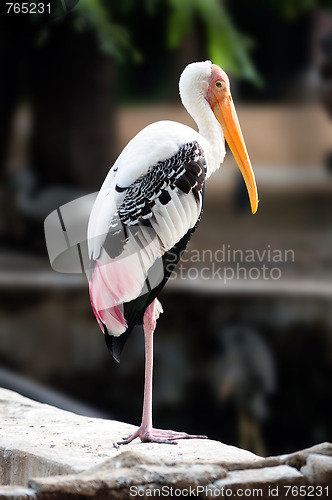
(220, 84)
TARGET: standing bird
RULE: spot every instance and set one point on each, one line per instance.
(147, 209)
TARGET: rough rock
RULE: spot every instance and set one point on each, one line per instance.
(264, 483)
(39, 440)
(51, 454)
(130, 470)
(16, 493)
(296, 459)
(299, 458)
(318, 470)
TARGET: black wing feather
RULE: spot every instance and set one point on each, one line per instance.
(134, 310)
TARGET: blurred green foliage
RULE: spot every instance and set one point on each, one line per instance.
(114, 39)
(224, 44)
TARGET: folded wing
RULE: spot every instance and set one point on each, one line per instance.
(137, 233)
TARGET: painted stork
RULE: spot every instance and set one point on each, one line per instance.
(147, 209)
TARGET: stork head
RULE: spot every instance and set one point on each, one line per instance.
(203, 84)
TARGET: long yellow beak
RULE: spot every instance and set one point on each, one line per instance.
(225, 113)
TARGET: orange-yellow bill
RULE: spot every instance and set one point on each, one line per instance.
(225, 113)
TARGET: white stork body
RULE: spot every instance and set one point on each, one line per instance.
(145, 214)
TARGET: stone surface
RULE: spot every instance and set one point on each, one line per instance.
(16, 493)
(52, 441)
(261, 482)
(130, 470)
(318, 470)
(299, 458)
(51, 454)
(296, 459)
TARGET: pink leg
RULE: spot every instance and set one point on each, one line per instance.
(146, 433)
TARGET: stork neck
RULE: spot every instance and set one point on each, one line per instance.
(211, 130)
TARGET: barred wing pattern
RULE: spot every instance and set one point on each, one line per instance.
(184, 170)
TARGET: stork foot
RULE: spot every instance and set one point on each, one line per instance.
(159, 436)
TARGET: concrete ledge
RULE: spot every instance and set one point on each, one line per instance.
(47, 453)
